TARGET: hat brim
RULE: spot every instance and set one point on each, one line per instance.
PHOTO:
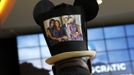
(72, 54)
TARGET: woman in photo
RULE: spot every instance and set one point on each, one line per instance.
(59, 32)
(50, 28)
(55, 32)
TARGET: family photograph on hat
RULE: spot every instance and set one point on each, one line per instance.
(63, 28)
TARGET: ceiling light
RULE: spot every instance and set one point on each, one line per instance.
(99, 2)
(2, 5)
(5, 8)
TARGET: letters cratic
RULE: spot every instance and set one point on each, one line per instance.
(109, 68)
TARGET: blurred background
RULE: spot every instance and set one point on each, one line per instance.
(23, 49)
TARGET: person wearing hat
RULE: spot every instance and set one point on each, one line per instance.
(69, 57)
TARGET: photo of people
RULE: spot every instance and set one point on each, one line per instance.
(64, 28)
(72, 24)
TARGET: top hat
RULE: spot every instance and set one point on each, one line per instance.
(64, 29)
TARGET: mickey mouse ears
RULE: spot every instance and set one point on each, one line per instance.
(40, 8)
(90, 8)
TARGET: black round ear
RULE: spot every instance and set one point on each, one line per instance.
(40, 8)
(90, 8)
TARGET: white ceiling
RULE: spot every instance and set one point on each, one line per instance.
(20, 20)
